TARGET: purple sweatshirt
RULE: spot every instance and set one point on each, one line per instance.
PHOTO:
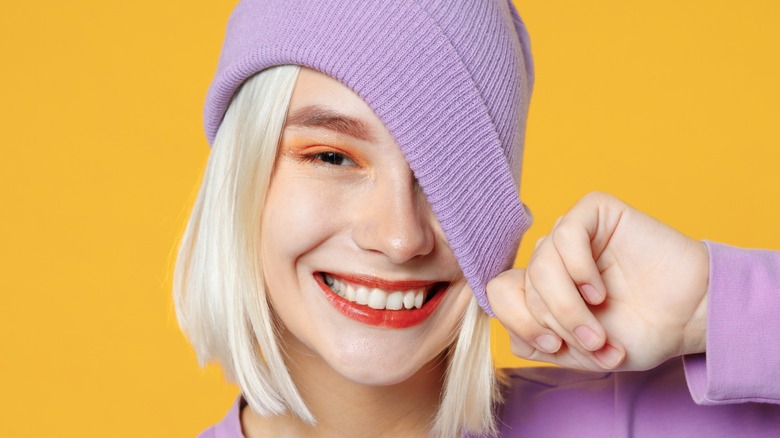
(731, 391)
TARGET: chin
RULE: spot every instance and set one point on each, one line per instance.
(382, 357)
(386, 371)
(368, 377)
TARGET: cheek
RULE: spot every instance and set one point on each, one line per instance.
(292, 225)
(298, 216)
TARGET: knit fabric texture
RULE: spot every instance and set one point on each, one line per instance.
(450, 79)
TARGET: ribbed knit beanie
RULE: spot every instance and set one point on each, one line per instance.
(450, 79)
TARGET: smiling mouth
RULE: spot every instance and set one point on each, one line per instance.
(394, 304)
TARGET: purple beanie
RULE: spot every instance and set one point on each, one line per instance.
(450, 79)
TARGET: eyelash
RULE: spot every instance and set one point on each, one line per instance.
(330, 158)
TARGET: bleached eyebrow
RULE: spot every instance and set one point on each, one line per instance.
(316, 116)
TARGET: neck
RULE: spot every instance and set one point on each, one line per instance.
(344, 408)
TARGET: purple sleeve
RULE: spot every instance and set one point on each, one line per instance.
(742, 362)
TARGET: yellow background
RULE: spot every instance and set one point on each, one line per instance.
(671, 105)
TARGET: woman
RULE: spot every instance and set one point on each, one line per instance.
(354, 210)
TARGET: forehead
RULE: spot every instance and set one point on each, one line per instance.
(320, 101)
(318, 89)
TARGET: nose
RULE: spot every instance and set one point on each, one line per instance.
(397, 220)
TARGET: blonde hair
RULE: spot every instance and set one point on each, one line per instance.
(220, 294)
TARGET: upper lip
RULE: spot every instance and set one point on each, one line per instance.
(376, 282)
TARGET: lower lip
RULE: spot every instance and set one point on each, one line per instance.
(396, 319)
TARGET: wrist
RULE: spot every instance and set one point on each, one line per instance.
(695, 332)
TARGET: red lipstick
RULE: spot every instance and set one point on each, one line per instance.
(384, 318)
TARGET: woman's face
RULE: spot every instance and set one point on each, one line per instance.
(357, 267)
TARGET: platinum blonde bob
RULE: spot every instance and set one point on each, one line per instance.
(220, 293)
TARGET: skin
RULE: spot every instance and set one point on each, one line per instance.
(608, 288)
(638, 287)
(361, 212)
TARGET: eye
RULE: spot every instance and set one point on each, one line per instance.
(334, 158)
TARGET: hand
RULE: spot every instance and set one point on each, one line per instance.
(609, 288)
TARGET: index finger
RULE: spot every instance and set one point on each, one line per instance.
(581, 236)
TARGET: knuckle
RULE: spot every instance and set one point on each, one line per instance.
(564, 234)
(594, 195)
(565, 310)
(549, 320)
(537, 274)
(507, 280)
(524, 327)
(537, 308)
(597, 197)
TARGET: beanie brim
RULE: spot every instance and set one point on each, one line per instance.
(398, 59)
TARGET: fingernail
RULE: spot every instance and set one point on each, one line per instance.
(590, 293)
(548, 343)
(609, 356)
(587, 337)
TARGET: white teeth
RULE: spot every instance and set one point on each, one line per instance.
(350, 294)
(409, 300)
(395, 301)
(418, 298)
(361, 295)
(376, 298)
